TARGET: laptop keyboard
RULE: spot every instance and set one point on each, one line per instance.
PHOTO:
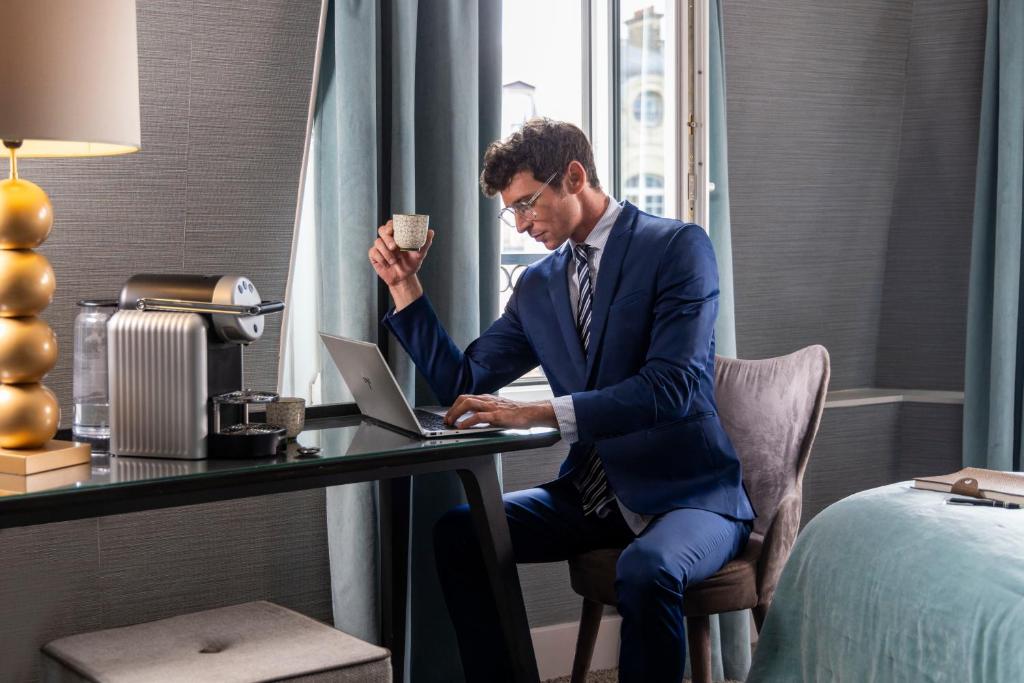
(430, 421)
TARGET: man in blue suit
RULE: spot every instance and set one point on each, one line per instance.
(621, 318)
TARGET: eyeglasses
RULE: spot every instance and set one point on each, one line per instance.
(524, 209)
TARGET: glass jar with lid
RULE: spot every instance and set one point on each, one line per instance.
(90, 390)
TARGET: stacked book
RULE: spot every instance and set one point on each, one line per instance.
(975, 482)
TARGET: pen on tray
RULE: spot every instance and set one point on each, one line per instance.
(983, 502)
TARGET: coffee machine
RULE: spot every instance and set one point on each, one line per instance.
(175, 342)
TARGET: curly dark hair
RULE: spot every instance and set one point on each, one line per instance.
(542, 146)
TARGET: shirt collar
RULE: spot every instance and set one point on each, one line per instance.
(599, 235)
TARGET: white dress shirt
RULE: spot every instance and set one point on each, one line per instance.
(565, 411)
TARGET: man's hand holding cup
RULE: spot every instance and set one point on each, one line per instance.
(396, 255)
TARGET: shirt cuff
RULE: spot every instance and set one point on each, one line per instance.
(565, 415)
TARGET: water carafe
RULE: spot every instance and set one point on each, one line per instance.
(90, 391)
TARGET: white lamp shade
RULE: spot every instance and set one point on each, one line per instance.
(69, 77)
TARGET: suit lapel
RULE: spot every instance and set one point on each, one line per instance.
(558, 290)
(607, 279)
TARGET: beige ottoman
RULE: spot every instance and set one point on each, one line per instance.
(250, 643)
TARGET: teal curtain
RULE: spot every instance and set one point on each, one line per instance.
(719, 220)
(994, 372)
(346, 161)
(730, 632)
(409, 96)
(447, 109)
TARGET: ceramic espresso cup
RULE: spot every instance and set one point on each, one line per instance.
(288, 412)
(410, 230)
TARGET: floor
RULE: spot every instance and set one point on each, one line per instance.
(605, 676)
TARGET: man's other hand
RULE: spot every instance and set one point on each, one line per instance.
(393, 265)
(500, 412)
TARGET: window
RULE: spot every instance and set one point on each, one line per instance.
(542, 75)
(649, 195)
(626, 72)
(647, 108)
(646, 128)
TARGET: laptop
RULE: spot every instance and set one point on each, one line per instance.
(377, 393)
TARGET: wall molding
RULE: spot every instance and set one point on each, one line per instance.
(555, 647)
(867, 396)
(841, 398)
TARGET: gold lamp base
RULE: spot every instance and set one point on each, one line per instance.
(31, 483)
(51, 456)
(29, 412)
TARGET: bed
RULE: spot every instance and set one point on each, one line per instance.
(893, 585)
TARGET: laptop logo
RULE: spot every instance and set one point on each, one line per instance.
(368, 383)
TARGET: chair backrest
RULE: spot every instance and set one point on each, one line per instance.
(771, 410)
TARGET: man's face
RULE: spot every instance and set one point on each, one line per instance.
(558, 212)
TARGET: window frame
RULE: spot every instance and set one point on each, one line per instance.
(697, 51)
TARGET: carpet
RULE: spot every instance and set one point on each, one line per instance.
(605, 676)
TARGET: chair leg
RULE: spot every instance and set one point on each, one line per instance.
(698, 635)
(590, 622)
(760, 612)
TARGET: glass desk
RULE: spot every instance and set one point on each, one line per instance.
(353, 449)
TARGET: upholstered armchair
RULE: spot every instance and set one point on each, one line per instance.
(771, 410)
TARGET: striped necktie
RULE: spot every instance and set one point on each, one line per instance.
(594, 488)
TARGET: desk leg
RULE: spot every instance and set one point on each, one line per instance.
(394, 568)
(488, 513)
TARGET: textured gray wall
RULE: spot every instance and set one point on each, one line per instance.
(924, 302)
(224, 88)
(856, 449)
(852, 142)
(224, 91)
(861, 448)
(930, 440)
(74, 577)
(852, 145)
(814, 97)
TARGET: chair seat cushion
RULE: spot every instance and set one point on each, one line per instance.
(733, 587)
(249, 643)
(592, 575)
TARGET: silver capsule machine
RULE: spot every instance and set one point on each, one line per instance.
(175, 342)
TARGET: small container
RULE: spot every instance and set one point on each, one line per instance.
(90, 389)
(288, 412)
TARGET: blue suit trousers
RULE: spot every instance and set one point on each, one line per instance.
(678, 548)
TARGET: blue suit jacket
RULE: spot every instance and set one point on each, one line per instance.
(644, 394)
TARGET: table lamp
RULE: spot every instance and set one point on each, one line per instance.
(69, 87)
